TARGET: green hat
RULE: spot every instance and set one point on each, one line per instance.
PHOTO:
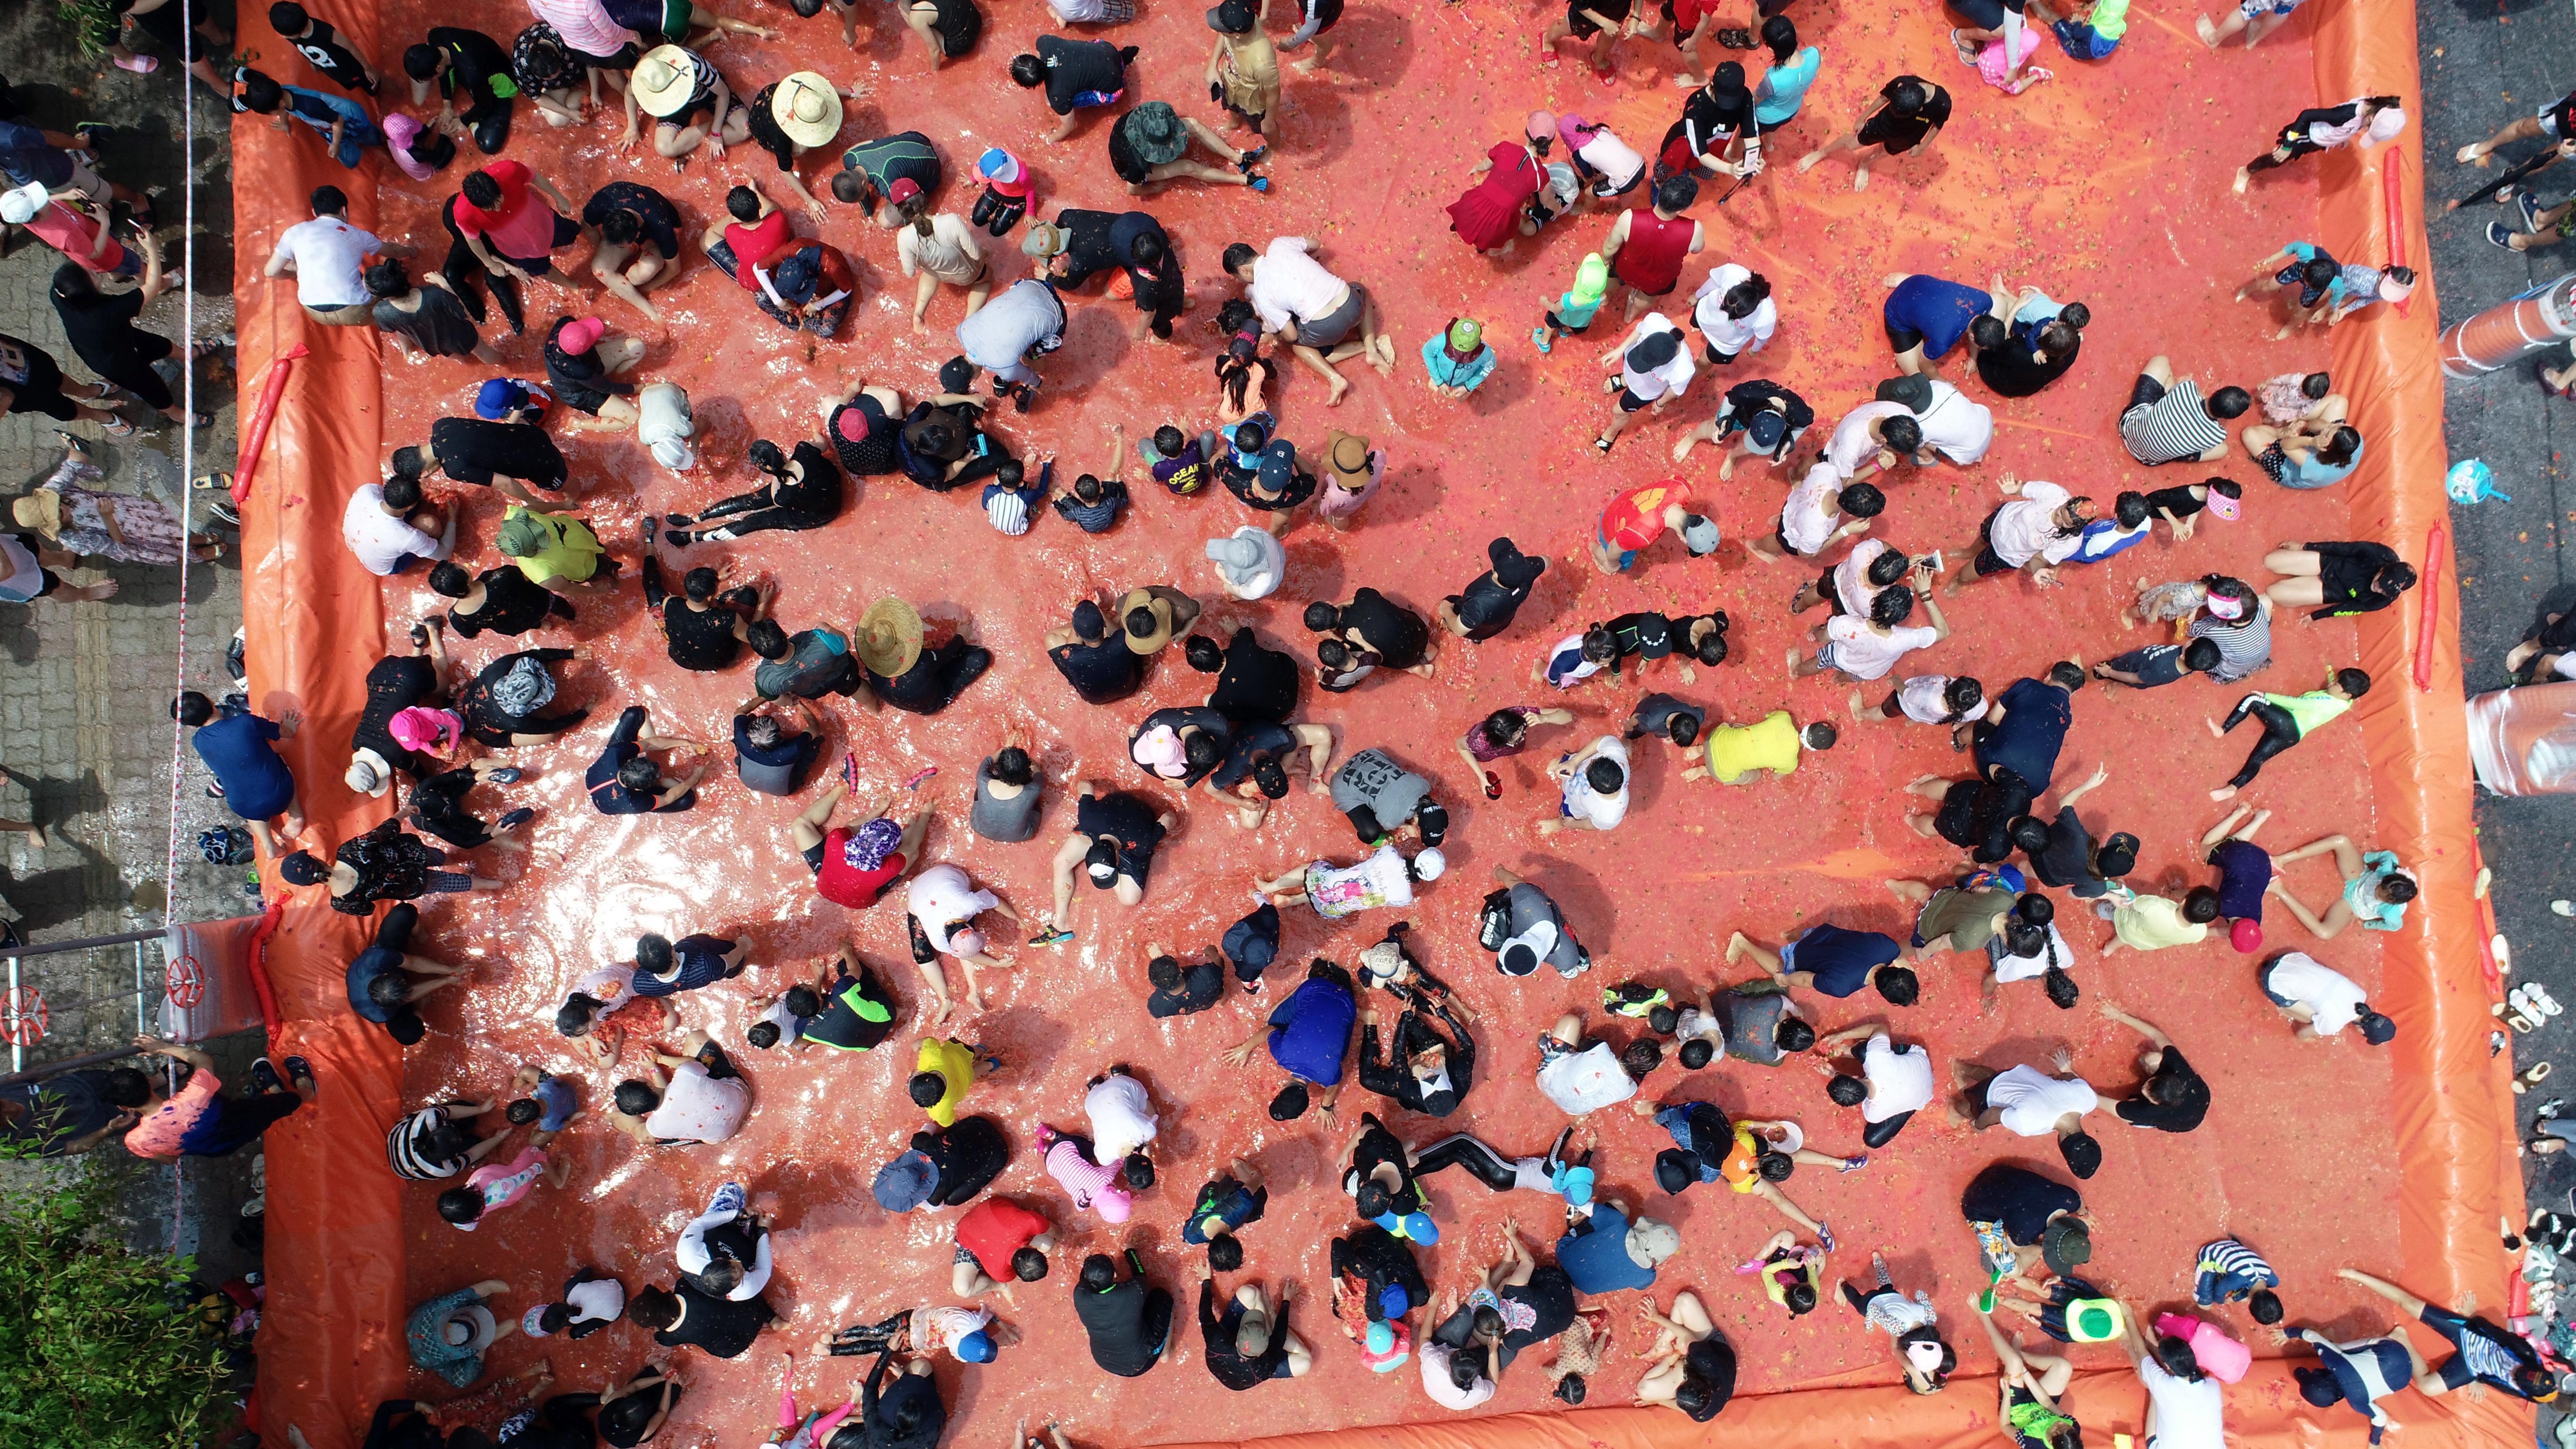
(522, 535)
(2093, 1320)
(1591, 278)
(1465, 336)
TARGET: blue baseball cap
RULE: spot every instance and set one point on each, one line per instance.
(498, 398)
(1416, 1226)
(1394, 1302)
(976, 1347)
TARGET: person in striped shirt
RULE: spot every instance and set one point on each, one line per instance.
(2230, 1272)
(2487, 1354)
(1008, 502)
(2168, 422)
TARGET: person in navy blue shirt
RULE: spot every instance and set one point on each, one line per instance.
(664, 967)
(1925, 317)
(236, 747)
(2026, 726)
(625, 781)
(1309, 1035)
(1602, 1252)
(1834, 962)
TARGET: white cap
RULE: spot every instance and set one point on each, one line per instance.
(20, 205)
(1429, 863)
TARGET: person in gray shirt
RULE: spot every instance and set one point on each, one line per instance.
(1523, 928)
(1009, 794)
(1381, 797)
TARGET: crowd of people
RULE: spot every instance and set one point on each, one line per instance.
(436, 730)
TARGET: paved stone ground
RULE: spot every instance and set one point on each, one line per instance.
(85, 731)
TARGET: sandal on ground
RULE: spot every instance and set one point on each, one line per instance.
(205, 347)
(140, 64)
(516, 818)
(1601, 445)
(2527, 204)
(264, 1077)
(201, 420)
(1734, 39)
(118, 427)
(300, 1072)
(208, 482)
(1249, 159)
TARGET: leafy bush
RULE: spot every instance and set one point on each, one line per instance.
(101, 1346)
(93, 22)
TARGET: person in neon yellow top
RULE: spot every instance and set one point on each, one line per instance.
(2287, 719)
(1773, 743)
(555, 549)
(2151, 923)
(945, 1071)
(2089, 32)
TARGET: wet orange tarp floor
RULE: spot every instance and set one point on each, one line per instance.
(2108, 185)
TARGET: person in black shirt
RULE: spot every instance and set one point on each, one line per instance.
(864, 430)
(1181, 990)
(1389, 1280)
(429, 318)
(2346, 578)
(902, 672)
(1079, 245)
(1396, 634)
(1914, 115)
(1199, 738)
(1101, 669)
(803, 491)
(1129, 1322)
(906, 1414)
(72, 1112)
(1493, 597)
(455, 59)
(638, 234)
(1770, 417)
(394, 684)
(1255, 769)
(471, 450)
(624, 780)
(1078, 75)
(944, 1166)
(684, 1317)
(2173, 1098)
(1975, 815)
(1252, 682)
(320, 44)
(705, 629)
(438, 807)
(102, 332)
(499, 601)
(2043, 1219)
(2021, 361)
(585, 370)
(1425, 1071)
(795, 114)
(500, 704)
(1113, 841)
(1247, 1346)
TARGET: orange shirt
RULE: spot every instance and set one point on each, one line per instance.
(1635, 518)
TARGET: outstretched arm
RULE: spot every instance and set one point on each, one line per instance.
(2143, 1028)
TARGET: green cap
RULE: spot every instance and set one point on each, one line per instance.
(523, 534)
(1591, 278)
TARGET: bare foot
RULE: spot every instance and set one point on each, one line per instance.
(2244, 178)
(1856, 705)
(1341, 388)
(2207, 32)
(1736, 945)
(1808, 162)
(1726, 467)
(1860, 176)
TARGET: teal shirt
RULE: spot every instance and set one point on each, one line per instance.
(1784, 87)
(1445, 373)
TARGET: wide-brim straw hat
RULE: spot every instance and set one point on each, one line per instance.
(889, 641)
(807, 108)
(663, 80)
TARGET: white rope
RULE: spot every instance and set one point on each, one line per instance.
(187, 511)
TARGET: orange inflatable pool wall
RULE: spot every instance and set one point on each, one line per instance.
(2322, 1155)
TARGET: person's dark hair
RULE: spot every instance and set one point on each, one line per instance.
(1711, 651)
(2117, 855)
(1782, 37)
(328, 201)
(2076, 315)
(1028, 1265)
(1696, 1053)
(700, 584)
(1682, 729)
(1011, 766)
(389, 990)
(1819, 735)
(1250, 436)
(2174, 1355)
(481, 188)
(574, 1017)
(2353, 682)
(1693, 1396)
(1793, 1034)
(1861, 500)
(1676, 193)
(743, 204)
(1775, 1166)
(2067, 675)
(1270, 777)
(446, 1142)
(2318, 274)
(1290, 1104)
(848, 185)
(635, 1098)
(1605, 777)
(2059, 336)
(449, 580)
(2027, 834)
(1170, 441)
(1641, 1057)
(2404, 276)
(803, 1000)
(1902, 433)
(1799, 1298)
(1891, 606)
(1028, 70)
(1663, 1020)
(720, 1276)
(126, 1087)
(2130, 508)
(2083, 1154)
(555, 1317)
(1009, 473)
(1201, 653)
(420, 62)
(1744, 296)
(259, 93)
(1571, 1388)
(191, 708)
(641, 775)
(402, 493)
(2034, 908)
(2201, 655)
(2318, 1386)
(1146, 251)
(1099, 1272)
(926, 1088)
(621, 228)
(1322, 617)
(768, 639)
(2397, 890)
(1986, 332)
(761, 1035)
(1889, 568)
(1600, 646)
(2061, 989)
(2200, 904)
(1201, 751)
(1225, 1254)
(2230, 402)
(653, 1307)
(461, 1204)
(1485, 1325)
(1907, 97)
(653, 952)
(1898, 984)
(1504, 729)
(1239, 255)
(1462, 1372)
(406, 1027)
(2265, 1305)
(1164, 972)
(1962, 694)
(409, 462)
(1374, 1199)
(288, 18)
(1847, 1090)
(2315, 386)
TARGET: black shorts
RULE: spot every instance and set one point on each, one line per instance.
(813, 857)
(1987, 560)
(1901, 339)
(1825, 591)
(1568, 328)
(1780, 536)
(625, 58)
(1899, 134)
(1581, 25)
(2147, 391)
(52, 581)
(1715, 357)
(1629, 402)
(1982, 14)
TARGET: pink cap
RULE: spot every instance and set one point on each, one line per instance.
(2220, 606)
(2224, 508)
(1159, 749)
(421, 728)
(581, 335)
(400, 131)
(2246, 936)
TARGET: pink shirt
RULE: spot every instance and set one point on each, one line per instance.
(584, 25)
(504, 1185)
(158, 1135)
(1092, 1185)
(73, 235)
(2221, 1357)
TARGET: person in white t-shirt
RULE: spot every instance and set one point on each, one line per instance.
(682, 1100)
(736, 1264)
(2024, 952)
(1865, 646)
(2021, 532)
(1895, 1081)
(1122, 1116)
(1953, 427)
(1733, 310)
(1583, 1077)
(941, 904)
(1384, 878)
(1459, 1378)
(1594, 787)
(329, 258)
(1954, 702)
(2028, 1102)
(2186, 1408)
(1820, 511)
(1652, 368)
(1872, 437)
(2322, 1000)
(390, 530)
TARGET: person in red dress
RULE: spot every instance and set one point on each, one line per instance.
(1495, 210)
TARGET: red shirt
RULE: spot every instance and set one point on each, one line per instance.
(523, 225)
(993, 1230)
(846, 884)
(1635, 518)
(753, 242)
(1687, 15)
(837, 276)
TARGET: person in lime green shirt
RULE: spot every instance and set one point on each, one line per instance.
(2090, 32)
(945, 1070)
(2287, 719)
(2151, 923)
(1736, 752)
(555, 549)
